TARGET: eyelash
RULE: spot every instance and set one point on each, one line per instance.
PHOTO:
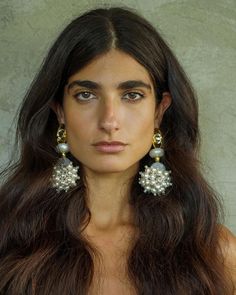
(132, 100)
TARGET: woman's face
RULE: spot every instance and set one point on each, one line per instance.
(110, 99)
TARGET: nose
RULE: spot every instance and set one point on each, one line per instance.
(108, 120)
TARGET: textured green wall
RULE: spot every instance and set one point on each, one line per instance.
(202, 33)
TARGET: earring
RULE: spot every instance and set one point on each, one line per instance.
(64, 173)
(155, 179)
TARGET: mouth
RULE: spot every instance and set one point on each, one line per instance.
(110, 146)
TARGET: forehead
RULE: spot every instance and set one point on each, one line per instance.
(111, 68)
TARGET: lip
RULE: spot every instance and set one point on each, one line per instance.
(110, 146)
(110, 143)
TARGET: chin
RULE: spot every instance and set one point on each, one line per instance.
(111, 167)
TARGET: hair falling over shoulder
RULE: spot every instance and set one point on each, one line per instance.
(42, 250)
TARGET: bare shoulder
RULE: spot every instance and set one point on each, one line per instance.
(227, 241)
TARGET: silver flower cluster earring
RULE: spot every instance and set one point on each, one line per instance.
(64, 173)
(155, 179)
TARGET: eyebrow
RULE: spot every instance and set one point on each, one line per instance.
(97, 86)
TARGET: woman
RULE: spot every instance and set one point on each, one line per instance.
(88, 208)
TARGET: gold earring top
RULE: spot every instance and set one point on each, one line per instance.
(61, 134)
(157, 139)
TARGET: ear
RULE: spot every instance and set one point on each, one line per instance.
(162, 107)
(58, 110)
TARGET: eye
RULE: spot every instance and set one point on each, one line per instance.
(84, 95)
(133, 96)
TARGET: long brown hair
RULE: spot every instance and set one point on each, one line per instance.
(42, 250)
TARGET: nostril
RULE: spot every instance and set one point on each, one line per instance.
(109, 125)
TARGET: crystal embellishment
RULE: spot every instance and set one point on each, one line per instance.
(154, 180)
(64, 175)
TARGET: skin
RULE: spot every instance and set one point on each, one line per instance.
(110, 114)
(228, 246)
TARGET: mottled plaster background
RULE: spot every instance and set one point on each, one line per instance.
(202, 34)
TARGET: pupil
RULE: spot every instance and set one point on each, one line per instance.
(86, 94)
(132, 95)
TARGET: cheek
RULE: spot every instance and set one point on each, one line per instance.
(141, 131)
(144, 137)
(143, 122)
(77, 127)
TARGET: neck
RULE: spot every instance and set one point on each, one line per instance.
(108, 198)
